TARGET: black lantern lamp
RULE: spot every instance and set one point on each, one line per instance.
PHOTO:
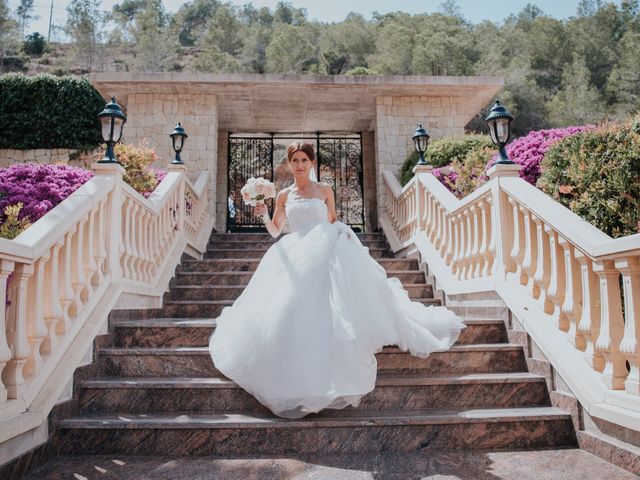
(421, 141)
(499, 122)
(177, 138)
(112, 119)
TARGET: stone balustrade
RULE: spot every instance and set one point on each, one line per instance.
(63, 275)
(575, 289)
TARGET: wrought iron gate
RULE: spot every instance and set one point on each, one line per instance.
(339, 164)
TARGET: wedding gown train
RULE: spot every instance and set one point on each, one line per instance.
(302, 335)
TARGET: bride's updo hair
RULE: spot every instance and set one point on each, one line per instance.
(299, 146)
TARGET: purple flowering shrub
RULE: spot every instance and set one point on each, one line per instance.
(38, 187)
(528, 151)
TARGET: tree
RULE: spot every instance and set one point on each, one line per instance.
(8, 33)
(190, 21)
(578, 101)
(84, 26)
(25, 14)
(394, 45)
(290, 50)
(156, 49)
(124, 16)
(623, 85)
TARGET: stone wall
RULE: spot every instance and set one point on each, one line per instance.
(152, 117)
(221, 182)
(41, 155)
(396, 121)
(369, 175)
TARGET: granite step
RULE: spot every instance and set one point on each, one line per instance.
(213, 308)
(264, 236)
(211, 253)
(329, 432)
(242, 277)
(250, 265)
(220, 395)
(185, 332)
(265, 244)
(197, 362)
(232, 292)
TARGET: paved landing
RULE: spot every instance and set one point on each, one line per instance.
(568, 464)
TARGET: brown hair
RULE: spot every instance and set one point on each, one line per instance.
(299, 146)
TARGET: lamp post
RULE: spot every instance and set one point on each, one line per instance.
(112, 119)
(421, 141)
(499, 122)
(177, 139)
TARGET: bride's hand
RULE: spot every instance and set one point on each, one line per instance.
(261, 210)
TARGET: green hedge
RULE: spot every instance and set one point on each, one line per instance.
(44, 111)
(596, 174)
(443, 151)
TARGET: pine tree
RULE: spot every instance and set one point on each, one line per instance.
(84, 26)
(25, 14)
(156, 49)
(578, 102)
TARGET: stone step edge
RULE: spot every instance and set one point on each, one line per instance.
(189, 322)
(325, 419)
(205, 350)
(243, 285)
(229, 302)
(171, 383)
(254, 259)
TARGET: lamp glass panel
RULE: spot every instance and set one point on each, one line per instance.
(502, 127)
(106, 128)
(117, 129)
(424, 141)
(178, 142)
(492, 132)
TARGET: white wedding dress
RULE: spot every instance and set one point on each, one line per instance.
(302, 335)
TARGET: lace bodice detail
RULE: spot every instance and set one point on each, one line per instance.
(303, 213)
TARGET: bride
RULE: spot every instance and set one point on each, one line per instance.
(302, 335)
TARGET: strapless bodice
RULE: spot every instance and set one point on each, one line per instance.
(303, 213)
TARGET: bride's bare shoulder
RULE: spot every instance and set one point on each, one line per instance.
(282, 195)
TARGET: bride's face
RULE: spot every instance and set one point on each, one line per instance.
(300, 164)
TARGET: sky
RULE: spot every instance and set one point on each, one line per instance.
(336, 10)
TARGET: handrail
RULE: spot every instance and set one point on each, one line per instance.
(68, 270)
(546, 263)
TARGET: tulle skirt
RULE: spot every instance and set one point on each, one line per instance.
(303, 334)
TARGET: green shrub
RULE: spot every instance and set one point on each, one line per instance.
(596, 174)
(44, 111)
(443, 151)
(470, 170)
(15, 63)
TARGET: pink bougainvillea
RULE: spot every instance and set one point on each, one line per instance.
(39, 187)
(528, 151)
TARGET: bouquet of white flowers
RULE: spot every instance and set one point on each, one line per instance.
(257, 190)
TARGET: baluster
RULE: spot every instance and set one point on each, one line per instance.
(148, 228)
(530, 253)
(611, 325)
(629, 267)
(556, 280)
(126, 217)
(6, 268)
(450, 241)
(477, 240)
(14, 375)
(69, 308)
(589, 325)
(468, 238)
(487, 249)
(437, 240)
(78, 279)
(446, 239)
(517, 252)
(37, 328)
(573, 293)
(101, 243)
(90, 265)
(541, 275)
(54, 313)
(457, 248)
(135, 239)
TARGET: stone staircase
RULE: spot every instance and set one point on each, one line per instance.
(154, 390)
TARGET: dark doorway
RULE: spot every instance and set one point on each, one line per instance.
(264, 155)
